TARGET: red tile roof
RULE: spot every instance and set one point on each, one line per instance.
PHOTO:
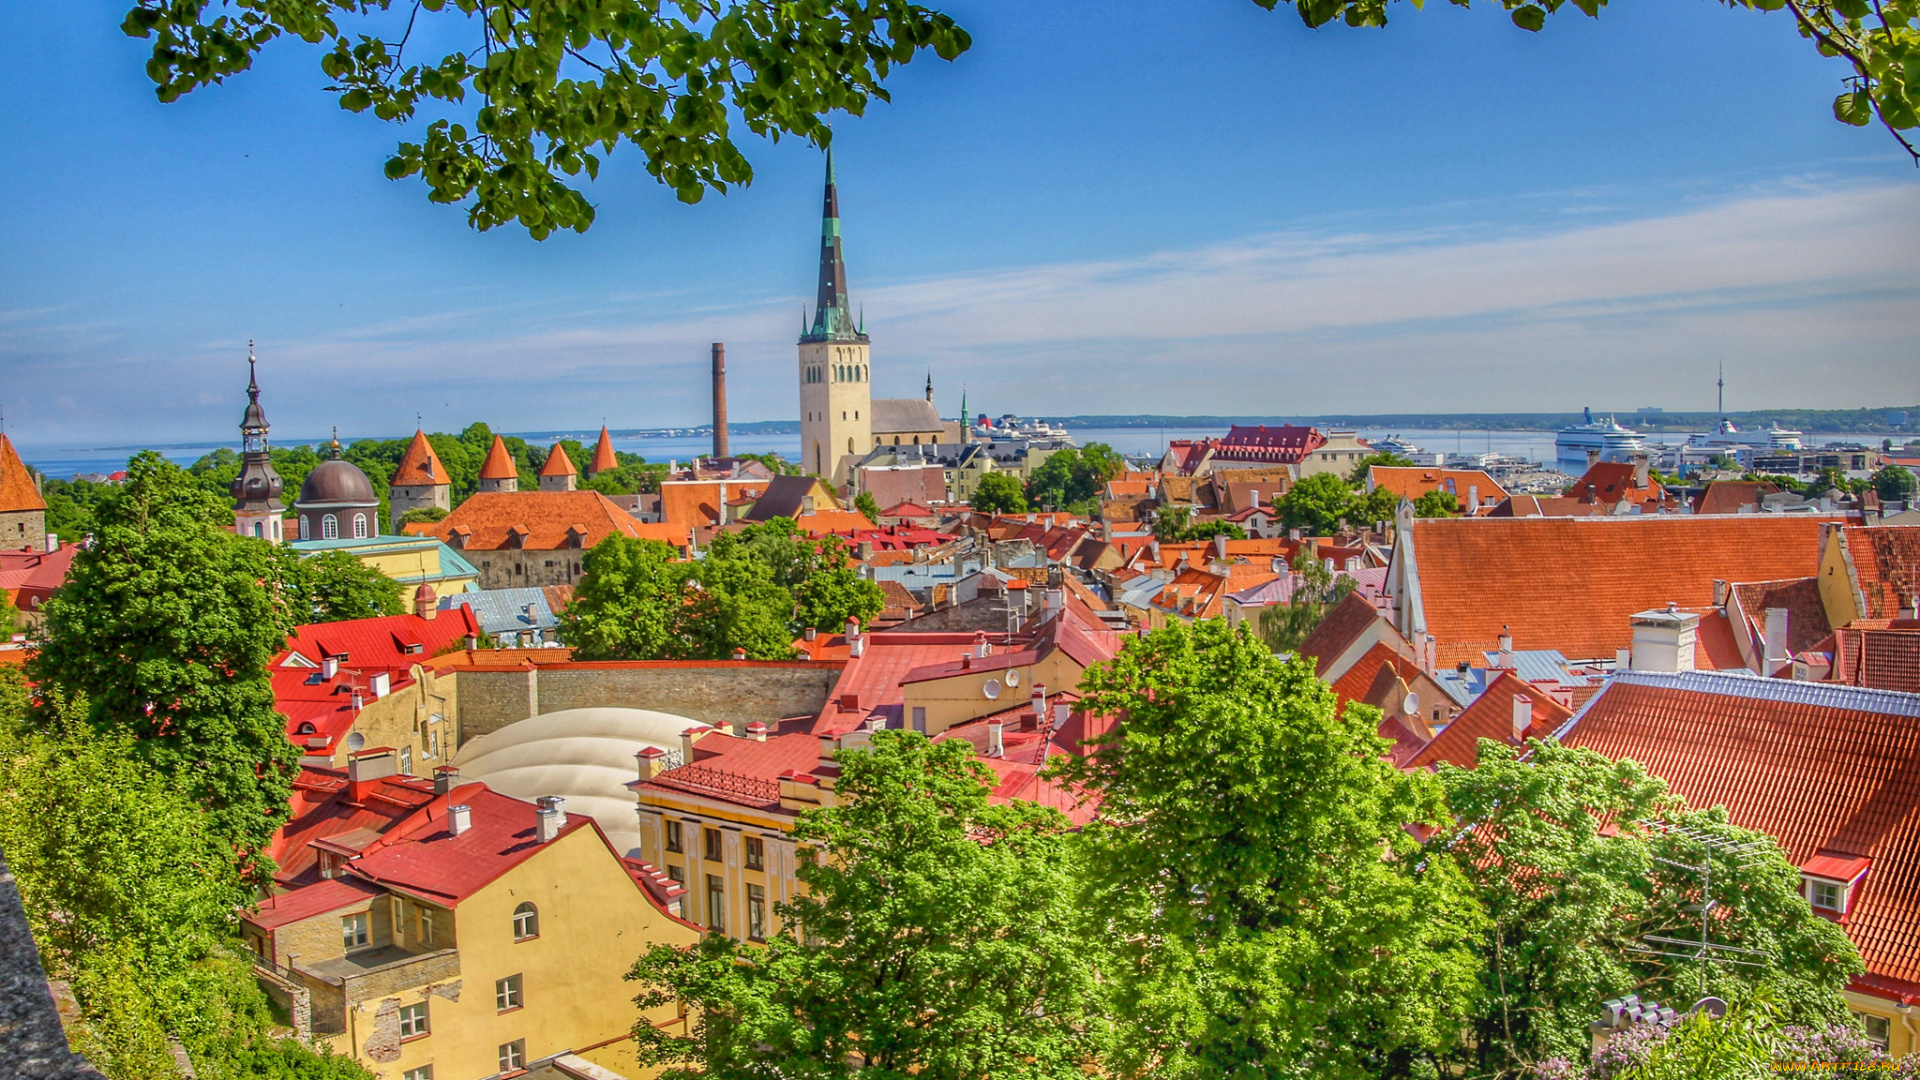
(371, 647)
(603, 455)
(29, 577)
(549, 520)
(499, 464)
(1886, 561)
(1338, 629)
(1730, 496)
(1831, 771)
(420, 466)
(1572, 583)
(1490, 716)
(745, 772)
(1607, 483)
(1413, 482)
(1806, 614)
(697, 503)
(1882, 656)
(17, 490)
(558, 463)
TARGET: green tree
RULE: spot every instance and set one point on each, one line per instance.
(1435, 504)
(1176, 529)
(334, 586)
(867, 505)
(1891, 482)
(9, 616)
(1072, 477)
(1253, 868)
(165, 627)
(779, 465)
(1572, 882)
(1317, 505)
(934, 940)
(999, 493)
(670, 81)
(1315, 591)
(423, 515)
(70, 505)
(1357, 476)
(736, 602)
(627, 603)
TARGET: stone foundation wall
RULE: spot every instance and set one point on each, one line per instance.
(720, 692)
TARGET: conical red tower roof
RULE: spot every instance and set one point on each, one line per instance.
(603, 457)
(420, 466)
(16, 483)
(499, 464)
(558, 463)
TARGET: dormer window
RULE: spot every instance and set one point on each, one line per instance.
(1826, 895)
(1829, 879)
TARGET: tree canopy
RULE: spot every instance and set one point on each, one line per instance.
(1316, 589)
(935, 940)
(1253, 868)
(999, 493)
(333, 586)
(1319, 503)
(1072, 479)
(164, 629)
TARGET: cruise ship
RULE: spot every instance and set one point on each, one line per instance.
(1614, 443)
(1729, 436)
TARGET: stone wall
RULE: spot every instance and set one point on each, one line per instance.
(24, 529)
(716, 692)
(510, 568)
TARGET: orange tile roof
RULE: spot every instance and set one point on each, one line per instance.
(17, 491)
(420, 466)
(603, 455)
(558, 463)
(1413, 482)
(1490, 716)
(1728, 496)
(1610, 482)
(1572, 583)
(1338, 630)
(823, 522)
(1886, 561)
(499, 464)
(1830, 771)
(697, 502)
(1359, 679)
(486, 519)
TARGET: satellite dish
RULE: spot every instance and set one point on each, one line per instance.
(1411, 704)
(1013, 677)
(992, 689)
(1712, 1006)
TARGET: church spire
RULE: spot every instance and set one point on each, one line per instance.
(832, 313)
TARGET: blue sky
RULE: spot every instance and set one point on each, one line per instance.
(1195, 207)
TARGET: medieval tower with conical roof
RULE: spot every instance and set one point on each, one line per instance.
(257, 509)
(836, 395)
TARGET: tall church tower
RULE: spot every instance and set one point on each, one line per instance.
(257, 510)
(836, 395)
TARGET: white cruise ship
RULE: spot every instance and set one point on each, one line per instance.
(1614, 442)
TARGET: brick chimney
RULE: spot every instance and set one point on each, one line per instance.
(719, 399)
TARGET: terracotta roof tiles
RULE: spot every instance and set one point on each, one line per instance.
(420, 466)
(1886, 561)
(1491, 716)
(499, 464)
(558, 463)
(17, 490)
(545, 521)
(604, 458)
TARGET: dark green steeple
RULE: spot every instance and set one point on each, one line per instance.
(832, 314)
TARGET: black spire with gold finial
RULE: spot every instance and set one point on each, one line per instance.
(832, 314)
(257, 489)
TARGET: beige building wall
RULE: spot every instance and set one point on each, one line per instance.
(420, 721)
(404, 497)
(712, 692)
(1343, 450)
(1839, 589)
(836, 407)
(777, 876)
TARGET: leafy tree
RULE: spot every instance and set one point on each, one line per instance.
(1436, 503)
(1891, 482)
(1317, 589)
(1173, 529)
(631, 473)
(9, 616)
(1357, 476)
(779, 465)
(165, 627)
(334, 586)
(423, 515)
(867, 505)
(627, 603)
(934, 940)
(670, 81)
(1317, 504)
(70, 505)
(735, 602)
(1572, 882)
(1073, 476)
(1253, 869)
(999, 493)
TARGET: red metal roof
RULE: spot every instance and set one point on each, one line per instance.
(421, 855)
(371, 647)
(323, 807)
(1831, 771)
(319, 898)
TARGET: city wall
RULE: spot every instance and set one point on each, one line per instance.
(715, 692)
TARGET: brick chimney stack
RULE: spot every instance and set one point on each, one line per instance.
(719, 399)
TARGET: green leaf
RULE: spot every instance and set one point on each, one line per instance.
(1529, 17)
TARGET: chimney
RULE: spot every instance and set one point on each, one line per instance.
(53, 543)
(550, 818)
(856, 641)
(1776, 639)
(445, 779)
(1720, 593)
(809, 634)
(329, 667)
(1056, 599)
(719, 399)
(652, 762)
(358, 701)
(996, 738)
(1473, 499)
(757, 731)
(365, 769)
(1642, 467)
(459, 820)
(687, 739)
(1506, 646)
(1040, 699)
(1220, 547)
(739, 654)
(426, 603)
(1593, 458)
(1622, 659)
(380, 685)
(1522, 716)
(1663, 639)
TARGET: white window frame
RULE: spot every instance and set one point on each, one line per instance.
(414, 1021)
(513, 1055)
(508, 993)
(526, 924)
(356, 931)
(425, 934)
(329, 527)
(359, 526)
(1812, 886)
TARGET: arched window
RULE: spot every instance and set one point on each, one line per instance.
(329, 527)
(305, 729)
(849, 446)
(526, 922)
(303, 527)
(359, 526)
(896, 440)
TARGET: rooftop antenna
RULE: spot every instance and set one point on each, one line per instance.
(1705, 951)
